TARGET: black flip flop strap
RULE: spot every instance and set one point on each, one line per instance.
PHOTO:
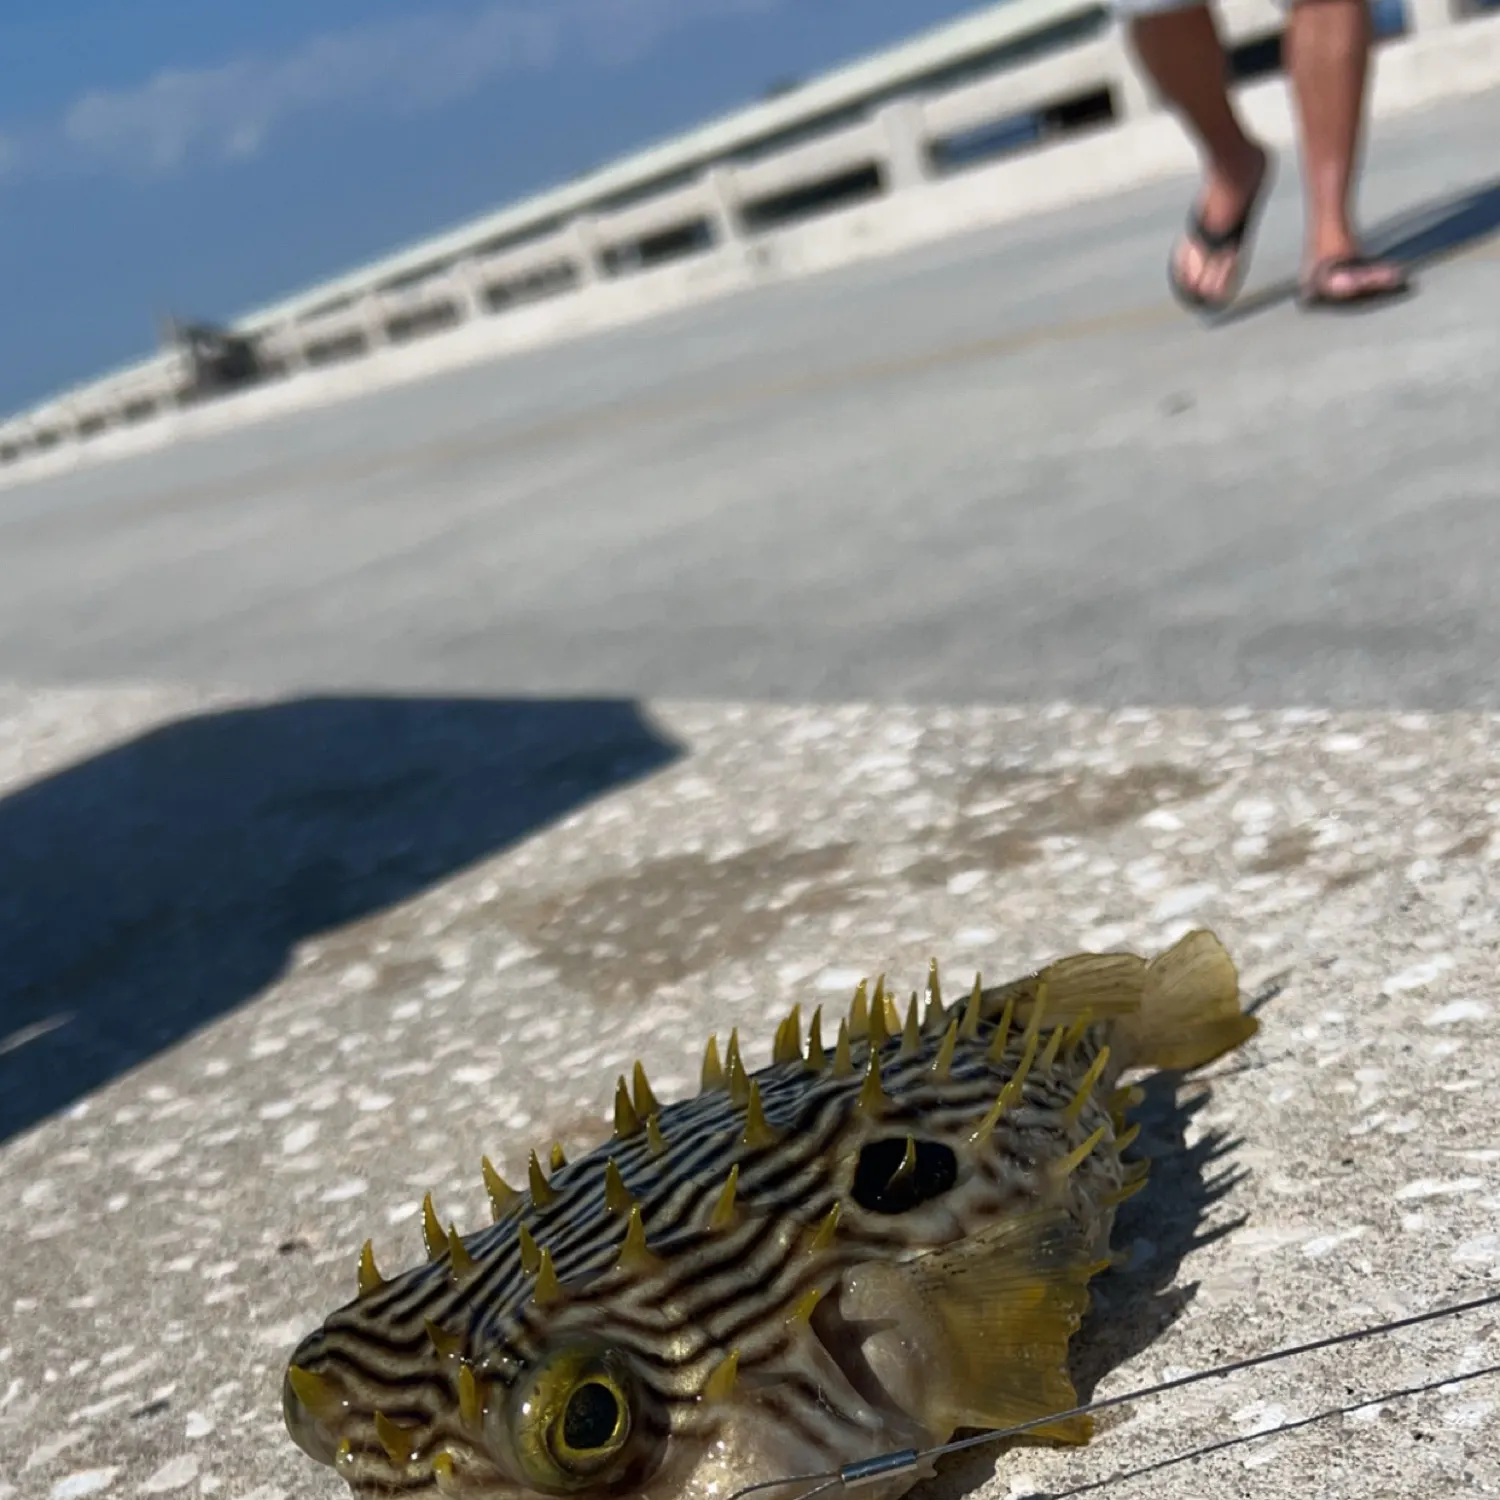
(1217, 241)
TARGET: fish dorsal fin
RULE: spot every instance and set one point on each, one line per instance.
(1190, 1008)
(1006, 1302)
(1104, 985)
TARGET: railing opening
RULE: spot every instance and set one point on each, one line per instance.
(1083, 112)
(1258, 58)
(842, 190)
(420, 321)
(994, 139)
(341, 346)
(548, 281)
(659, 248)
(984, 143)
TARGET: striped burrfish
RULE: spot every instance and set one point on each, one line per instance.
(885, 1235)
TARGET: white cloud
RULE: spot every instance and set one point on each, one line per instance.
(406, 64)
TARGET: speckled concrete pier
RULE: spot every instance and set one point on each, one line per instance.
(208, 1107)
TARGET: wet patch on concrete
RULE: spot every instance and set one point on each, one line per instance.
(1007, 815)
(625, 936)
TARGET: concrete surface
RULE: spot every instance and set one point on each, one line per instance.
(170, 1233)
(1002, 469)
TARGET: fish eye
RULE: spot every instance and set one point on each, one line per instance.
(594, 1424)
(571, 1420)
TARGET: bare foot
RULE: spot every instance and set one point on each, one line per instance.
(1349, 277)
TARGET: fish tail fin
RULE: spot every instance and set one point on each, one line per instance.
(1190, 1009)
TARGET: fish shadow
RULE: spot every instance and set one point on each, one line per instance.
(1159, 1229)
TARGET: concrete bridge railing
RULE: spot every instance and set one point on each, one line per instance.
(701, 213)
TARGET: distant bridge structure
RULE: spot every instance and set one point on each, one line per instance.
(1022, 106)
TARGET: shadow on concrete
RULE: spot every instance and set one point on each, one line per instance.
(1159, 1228)
(1437, 231)
(151, 889)
(1419, 238)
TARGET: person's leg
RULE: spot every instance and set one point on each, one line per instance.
(1327, 55)
(1181, 51)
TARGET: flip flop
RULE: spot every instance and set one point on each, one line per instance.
(1214, 242)
(1314, 293)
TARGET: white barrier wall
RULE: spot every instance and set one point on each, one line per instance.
(737, 200)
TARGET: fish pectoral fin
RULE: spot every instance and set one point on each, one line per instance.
(1006, 1302)
(1190, 1009)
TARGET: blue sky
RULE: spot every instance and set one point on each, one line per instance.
(204, 156)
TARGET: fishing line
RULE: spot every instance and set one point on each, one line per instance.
(1121, 1476)
(867, 1471)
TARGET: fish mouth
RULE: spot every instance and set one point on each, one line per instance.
(304, 1410)
(844, 1342)
(311, 1407)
